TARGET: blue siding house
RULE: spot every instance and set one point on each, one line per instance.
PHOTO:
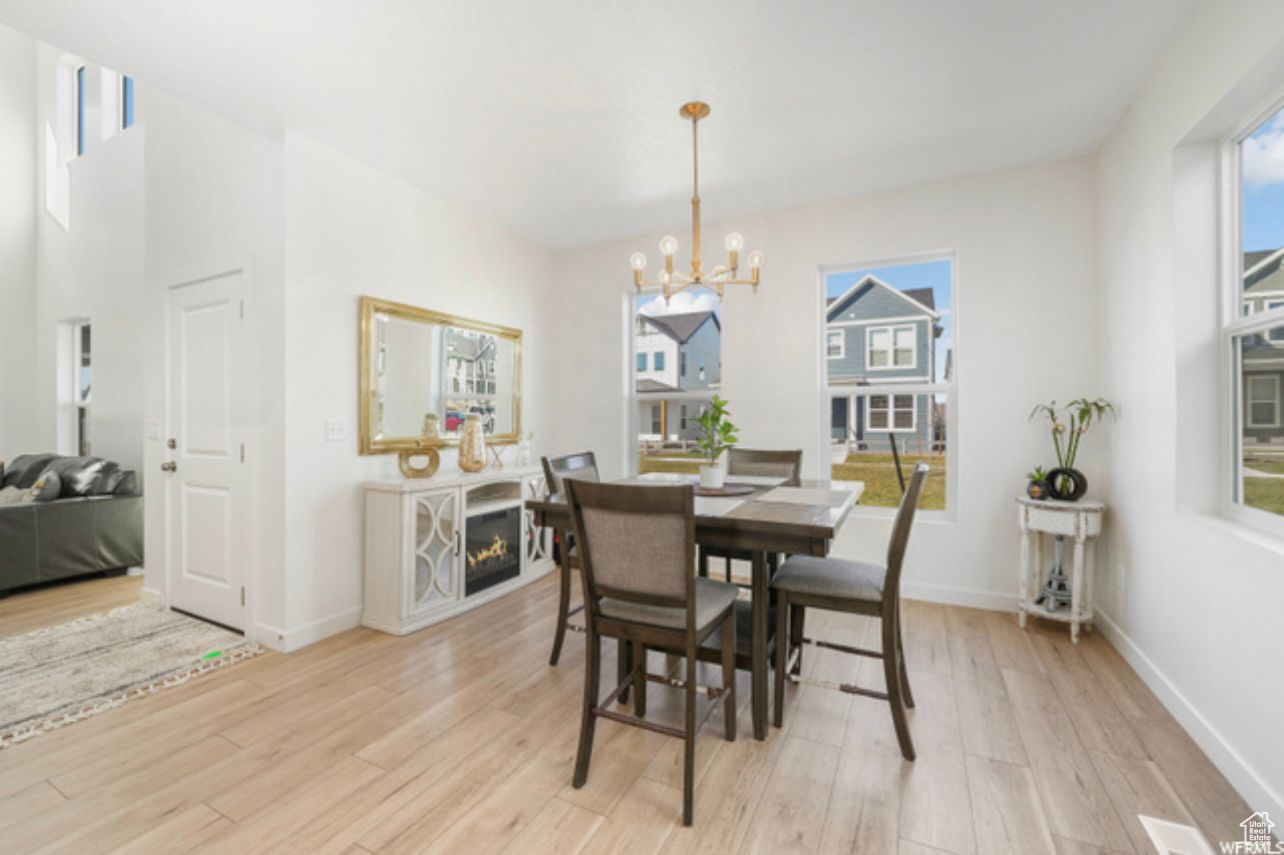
(877, 335)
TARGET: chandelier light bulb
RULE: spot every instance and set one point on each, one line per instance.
(756, 258)
(664, 276)
(734, 242)
(637, 261)
(668, 245)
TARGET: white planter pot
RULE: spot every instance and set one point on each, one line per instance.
(711, 477)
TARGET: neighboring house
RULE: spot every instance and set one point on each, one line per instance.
(675, 354)
(1263, 355)
(876, 335)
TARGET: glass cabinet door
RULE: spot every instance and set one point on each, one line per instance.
(436, 549)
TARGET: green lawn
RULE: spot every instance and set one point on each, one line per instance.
(882, 490)
(1266, 494)
(1273, 465)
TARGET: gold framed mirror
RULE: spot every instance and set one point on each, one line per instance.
(423, 373)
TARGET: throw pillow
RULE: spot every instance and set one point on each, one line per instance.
(109, 478)
(47, 487)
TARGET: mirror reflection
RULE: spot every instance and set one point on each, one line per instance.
(428, 374)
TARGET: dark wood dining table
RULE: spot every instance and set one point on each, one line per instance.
(799, 520)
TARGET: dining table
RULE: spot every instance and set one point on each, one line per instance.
(765, 517)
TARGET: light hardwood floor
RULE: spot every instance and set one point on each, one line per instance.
(462, 739)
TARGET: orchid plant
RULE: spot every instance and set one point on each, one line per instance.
(1070, 422)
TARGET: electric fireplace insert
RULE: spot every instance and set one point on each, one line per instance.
(493, 542)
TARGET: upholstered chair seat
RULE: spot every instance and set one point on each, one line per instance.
(711, 602)
(832, 577)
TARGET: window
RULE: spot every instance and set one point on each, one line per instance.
(663, 404)
(902, 394)
(81, 98)
(1254, 340)
(892, 413)
(891, 347)
(75, 387)
(1262, 400)
(126, 101)
(835, 344)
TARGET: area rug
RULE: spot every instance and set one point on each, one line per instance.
(62, 674)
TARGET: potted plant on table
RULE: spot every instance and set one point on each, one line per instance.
(715, 435)
(1038, 486)
(1069, 424)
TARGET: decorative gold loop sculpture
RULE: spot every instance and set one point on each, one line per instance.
(410, 470)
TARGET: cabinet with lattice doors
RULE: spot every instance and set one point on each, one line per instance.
(437, 547)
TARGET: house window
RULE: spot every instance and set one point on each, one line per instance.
(891, 347)
(902, 395)
(126, 101)
(1262, 401)
(835, 344)
(891, 413)
(1255, 339)
(688, 325)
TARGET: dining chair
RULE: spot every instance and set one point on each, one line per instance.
(557, 470)
(835, 584)
(754, 462)
(637, 547)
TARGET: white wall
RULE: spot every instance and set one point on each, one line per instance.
(1192, 601)
(18, 158)
(94, 272)
(351, 230)
(1024, 242)
(215, 202)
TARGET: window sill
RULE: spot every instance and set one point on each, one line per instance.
(1246, 528)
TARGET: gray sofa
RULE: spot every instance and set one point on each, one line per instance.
(94, 524)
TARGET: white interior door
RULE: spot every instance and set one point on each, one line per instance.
(204, 451)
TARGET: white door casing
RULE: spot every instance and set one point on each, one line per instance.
(207, 521)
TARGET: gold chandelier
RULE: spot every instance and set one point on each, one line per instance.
(723, 274)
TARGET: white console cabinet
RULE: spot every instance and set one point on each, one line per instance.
(437, 547)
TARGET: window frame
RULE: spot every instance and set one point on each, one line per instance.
(1236, 326)
(948, 390)
(641, 362)
(831, 331)
(1249, 401)
(891, 410)
(891, 350)
(657, 360)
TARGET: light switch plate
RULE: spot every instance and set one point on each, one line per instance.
(335, 430)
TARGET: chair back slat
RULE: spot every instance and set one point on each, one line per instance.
(637, 542)
(582, 465)
(768, 463)
(901, 532)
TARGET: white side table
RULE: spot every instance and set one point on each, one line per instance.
(1076, 521)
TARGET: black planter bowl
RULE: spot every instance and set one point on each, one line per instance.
(1037, 489)
(1066, 485)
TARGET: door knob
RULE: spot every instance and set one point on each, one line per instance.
(169, 466)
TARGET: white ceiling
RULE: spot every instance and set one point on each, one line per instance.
(560, 118)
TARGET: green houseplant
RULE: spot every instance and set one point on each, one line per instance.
(1038, 486)
(714, 435)
(1069, 423)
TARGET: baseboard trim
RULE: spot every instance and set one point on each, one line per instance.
(1250, 785)
(970, 597)
(151, 595)
(286, 641)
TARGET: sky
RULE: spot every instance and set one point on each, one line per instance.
(1263, 190)
(904, 277)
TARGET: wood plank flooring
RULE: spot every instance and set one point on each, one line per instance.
(462, 739)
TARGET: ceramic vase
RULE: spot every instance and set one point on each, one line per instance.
(472, 445)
